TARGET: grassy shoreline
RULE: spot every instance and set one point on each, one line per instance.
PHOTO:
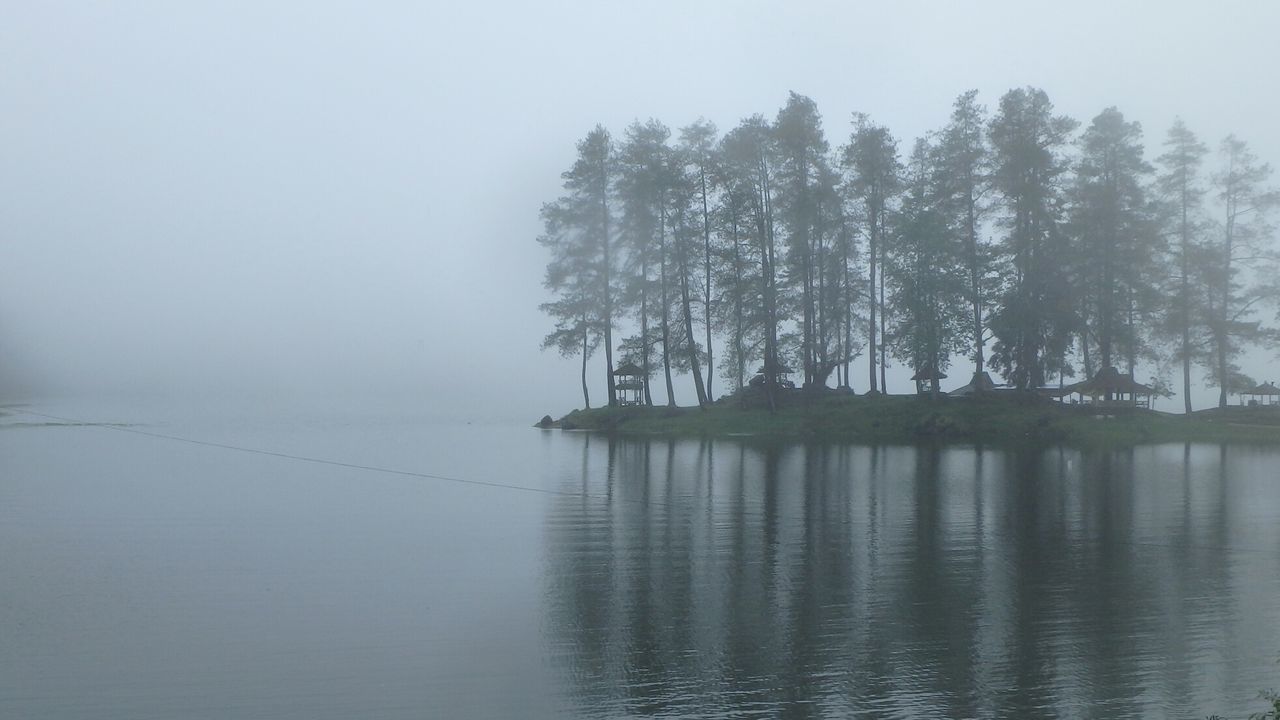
(1001, 418)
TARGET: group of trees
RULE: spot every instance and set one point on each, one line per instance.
(1011, 237)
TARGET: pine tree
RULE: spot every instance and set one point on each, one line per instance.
(1245, 238)
(1035, 315)
(964, 161)
(1115, 232)
(871, 159)
(1185, 318)
(926, 272)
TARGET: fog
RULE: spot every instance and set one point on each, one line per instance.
(341, 200)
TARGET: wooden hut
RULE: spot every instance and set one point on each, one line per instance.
(1113, 389)
(1265, 394)
(630, 384)
(927, 377)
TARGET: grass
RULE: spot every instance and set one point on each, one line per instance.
(996, 418)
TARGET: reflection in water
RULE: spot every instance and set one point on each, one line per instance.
(710, 579)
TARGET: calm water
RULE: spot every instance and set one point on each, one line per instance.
(144, 577)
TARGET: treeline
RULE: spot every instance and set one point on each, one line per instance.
(1034, 247)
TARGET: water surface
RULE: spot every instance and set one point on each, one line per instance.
(148, 577)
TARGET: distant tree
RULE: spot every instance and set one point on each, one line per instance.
(739, 307)
(686, 242)
(871, 159)
(1116, 240)
(1035, 317)
(580, 222)
(575, 272)
(1185, 318)
(1235, 292)
(926, 271)
(801, 174)
(698, 146)
(643, 182)
(748, 153)
(964, 166)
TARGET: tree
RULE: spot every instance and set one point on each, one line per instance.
(1185, 318)
(578, 269)
(802, 149)
(1245, 238)
(926, 272)
(697, 145)
(1035, 315)
(748, 152)
(580, 220)
(964, 167)
(740, 303)
(871, 158)
(644, 176)
(1117, 245)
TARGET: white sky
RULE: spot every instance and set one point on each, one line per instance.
(289, 199)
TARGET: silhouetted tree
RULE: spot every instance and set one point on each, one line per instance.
(1245, 235)
(964, 160)
(1035, 315)
(1185, 318)
(871, 158)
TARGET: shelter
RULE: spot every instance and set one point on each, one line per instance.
(630, 384)
(779, 372)
(1110, 387)
(981, 382)
(926, 376)
(1265, 394)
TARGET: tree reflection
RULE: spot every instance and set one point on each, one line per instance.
(715, 579)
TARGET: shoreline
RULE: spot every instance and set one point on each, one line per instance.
(1004, 418)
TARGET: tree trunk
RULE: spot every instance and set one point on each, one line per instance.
(690, 345)
(872, 255)
(666, 311)
(586, 397)
(706, 298)
(608, 293)
(1185, 301)
(644, 331)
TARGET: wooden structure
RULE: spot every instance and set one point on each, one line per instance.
(630, 384)
(1265, 394)
(1112, 389)
(779, 373)
(980, 383)
(926, 376)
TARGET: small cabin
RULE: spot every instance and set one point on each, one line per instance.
(629, 383)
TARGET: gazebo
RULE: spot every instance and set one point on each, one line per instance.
(980, 383)
(1122, 390)
(1265, 394)
(777, 370)
(926, 376)
(630, 384)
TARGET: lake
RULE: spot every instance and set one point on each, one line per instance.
(492, 570)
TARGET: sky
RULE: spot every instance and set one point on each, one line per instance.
(291, 200)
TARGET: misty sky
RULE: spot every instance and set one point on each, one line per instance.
(294, 199)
